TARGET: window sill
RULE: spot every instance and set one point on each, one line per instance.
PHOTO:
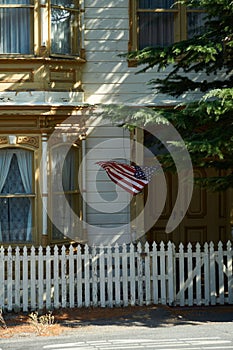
(6, 58)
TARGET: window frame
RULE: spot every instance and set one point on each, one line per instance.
(180, 22)
(32, 196)
(75, 192)
(40, 44)
(76, 32)
(33, 21)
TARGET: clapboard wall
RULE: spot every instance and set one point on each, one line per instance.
(107, 205)
(106, 77)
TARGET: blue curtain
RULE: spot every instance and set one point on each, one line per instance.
(15, 213)
(15, 34)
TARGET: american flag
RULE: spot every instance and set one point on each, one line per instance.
(132, 178)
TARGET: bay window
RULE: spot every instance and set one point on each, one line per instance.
(29, 25)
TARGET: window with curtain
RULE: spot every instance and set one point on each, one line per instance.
(159, 23)
(16, 195)
(16, 23)
(65, 190)
(22, 24)
(64, 27)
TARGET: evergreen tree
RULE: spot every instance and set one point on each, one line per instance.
(206, 125)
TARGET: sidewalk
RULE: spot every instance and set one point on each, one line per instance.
(78, 319)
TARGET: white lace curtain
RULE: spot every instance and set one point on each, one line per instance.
(61, 26)
(24, 161)
(63, 180)
(15, 27)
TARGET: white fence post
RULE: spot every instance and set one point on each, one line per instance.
(212, 275)
(102, 276)
(9, 279)
(2, 277)
(190, 274)
(87, 275)
(181, 274)
(40, 279)
(125, 275)
(140, 273)
(229, 272)
(147, 274)
(206, 274)
(109, 276)
(171, 274)
(117, 275)
(79, 277)
(56, 278)
(94, 276)
(155, 286)
(163, 274)
(48, 277)
(71, 277)
(25, 279)
(198, 276)
(33, 278)
(220, 273)
(17, 278)
(132, 275)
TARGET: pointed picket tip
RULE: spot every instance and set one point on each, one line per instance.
(198, 247)
(162, 245)
(131, 247)
(206, 247)
(211, 245)
(229, 245)
(181, 247)
(147, 247)
(190, 247)
(139, 247)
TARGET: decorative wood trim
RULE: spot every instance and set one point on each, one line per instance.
(3, 140)
(32, 141)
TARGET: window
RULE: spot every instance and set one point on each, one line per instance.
(65, 190)
(16, 23)
(65, 35)
(16, 195)
(28, 25)
(162, 22)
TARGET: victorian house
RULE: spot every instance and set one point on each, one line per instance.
(59, 59)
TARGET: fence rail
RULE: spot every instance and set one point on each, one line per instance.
(110, 276)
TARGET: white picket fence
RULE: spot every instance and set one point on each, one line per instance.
(33, 279)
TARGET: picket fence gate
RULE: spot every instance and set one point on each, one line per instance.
(48, 278)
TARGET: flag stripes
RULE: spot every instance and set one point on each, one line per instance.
(129, 177)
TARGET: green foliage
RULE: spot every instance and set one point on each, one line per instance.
(206, 125)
